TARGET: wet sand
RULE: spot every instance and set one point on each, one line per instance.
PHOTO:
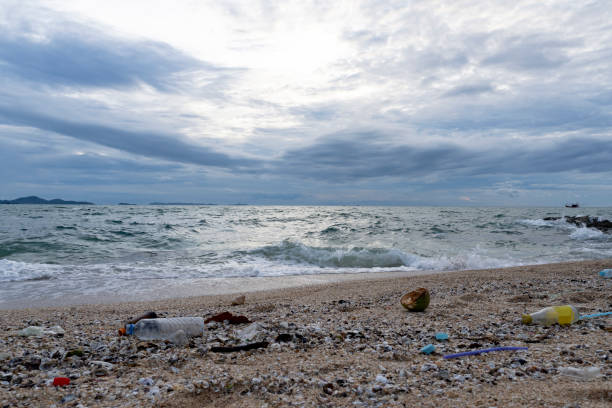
(334, 343)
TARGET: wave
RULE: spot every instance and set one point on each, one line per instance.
(294, 253)
(584, 233)
(575, 233)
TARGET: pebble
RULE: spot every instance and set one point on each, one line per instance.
(311, 352)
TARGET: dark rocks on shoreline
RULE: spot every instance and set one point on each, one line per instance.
(586, 221)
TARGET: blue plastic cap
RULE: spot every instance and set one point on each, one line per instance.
(428, 349)
(129, 329)
(441, 336)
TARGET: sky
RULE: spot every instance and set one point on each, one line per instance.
(384, 102)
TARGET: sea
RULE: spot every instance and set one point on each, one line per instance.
(60, 252)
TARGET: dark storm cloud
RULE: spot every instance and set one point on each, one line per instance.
(338, 160)
(85, 57)
(150, 144)
(361, 157)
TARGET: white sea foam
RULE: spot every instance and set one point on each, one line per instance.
(584, 233)
(14, 271)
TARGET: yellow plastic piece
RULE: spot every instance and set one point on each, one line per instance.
(565, 314)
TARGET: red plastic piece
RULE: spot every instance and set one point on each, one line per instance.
(61, 381)
(232, 319)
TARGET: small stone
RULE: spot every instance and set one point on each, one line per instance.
(32, 362)
(381, 379)
(146, 381)
(68, 398)
(239, 301)
(103, 364)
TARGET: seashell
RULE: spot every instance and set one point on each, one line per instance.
(416, 301)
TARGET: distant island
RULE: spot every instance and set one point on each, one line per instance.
(181, 203)
(38, 200)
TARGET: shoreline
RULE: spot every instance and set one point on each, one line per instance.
(349, 343)
(168, 289)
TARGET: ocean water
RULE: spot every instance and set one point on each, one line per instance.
(62, 251)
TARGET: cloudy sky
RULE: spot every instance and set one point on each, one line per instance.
(307, 102)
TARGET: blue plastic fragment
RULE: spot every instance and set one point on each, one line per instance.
(475, 352)
(428, 349)
(441, 336)
(595, 315)
(606, 273)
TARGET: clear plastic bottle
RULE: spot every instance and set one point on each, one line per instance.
(606, 273)
(566, 314)
(166, 328)
(585, 374)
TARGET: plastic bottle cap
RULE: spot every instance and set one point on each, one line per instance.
(527, 319)
(61, 381)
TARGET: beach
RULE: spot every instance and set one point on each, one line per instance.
(340, 343)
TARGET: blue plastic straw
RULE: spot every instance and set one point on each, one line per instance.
(595, 315)
(475, 352)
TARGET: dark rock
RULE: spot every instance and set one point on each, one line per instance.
(32, 362)
(245, 347)
(590, 222)
(284, 338)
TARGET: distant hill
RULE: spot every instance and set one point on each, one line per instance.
(38, 200)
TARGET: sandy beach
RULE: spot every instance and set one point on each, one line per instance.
(338, 343)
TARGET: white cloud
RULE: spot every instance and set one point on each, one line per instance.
(275, 80)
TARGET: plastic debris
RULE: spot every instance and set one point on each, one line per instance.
(428, 349)
(249, 332)
(416, 301)
(590, 316)
(562, 315)
(606, 273)
(61, 381)
(245, 347)
(147, 315)
(476, 352)
(39, 331)
(231, 319)
(587, 373)
(32, 331)
(441, 336)
(179, 338)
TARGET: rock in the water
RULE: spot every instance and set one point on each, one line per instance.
(590, 222)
